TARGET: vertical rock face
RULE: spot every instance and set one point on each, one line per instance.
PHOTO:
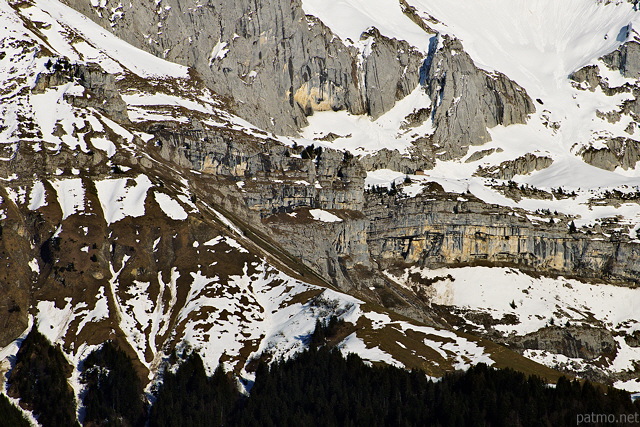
(277, 64)
(626, 59)
(332, 249)
(572, 341)
(273, 178)
(437, 230)
(391, 71)
(466, 100)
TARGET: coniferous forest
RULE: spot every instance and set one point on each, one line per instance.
(113, 391)
(39, 379)
(319, 387)
(10, 415)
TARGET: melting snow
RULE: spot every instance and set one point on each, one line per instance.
(138, 61)
(170, 207)
(349, 18)
(219, 51)
(361, 135)
(324, 216)
(353, 344)
(70, 195)
(123, 197)
(52, 321)
(539, 302)
(104, 145)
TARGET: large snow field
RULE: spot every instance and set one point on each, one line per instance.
(537, 303)
(537, 44)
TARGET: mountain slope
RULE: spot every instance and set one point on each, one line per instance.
(114, 236)
(141, 202)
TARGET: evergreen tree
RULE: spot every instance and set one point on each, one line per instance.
(113, 395)
(10, 415)
(319, 387)
(189, 398)
(39, 379)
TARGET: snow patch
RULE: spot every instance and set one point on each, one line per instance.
(219, 51)
(353, 344)
(71, 196)
(123, 197)
(170, 207)
(324, 216)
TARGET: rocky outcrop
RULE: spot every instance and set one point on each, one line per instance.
(479, 155)
(337, 248)
(433, 229)
(617, 152)
(626, 59)
(271, 177)
(392, 159)
(572, 341)
(100, 90)
(440, 229)
(523, 165)
(466, 100)
(273, 63)
(384, 85)
(588, 77)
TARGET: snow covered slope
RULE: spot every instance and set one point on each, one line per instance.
(523, 308)
(108, 235)
(135, 204)
(538, 44)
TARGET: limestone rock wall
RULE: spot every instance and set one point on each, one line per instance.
(523, 165)
(466, 100)
(618, 152)
(100, 87)
(384, 85)
(271, 177)
(572, 341)
(626, 59)
(274, 64)
(438, 229)
(333, 249)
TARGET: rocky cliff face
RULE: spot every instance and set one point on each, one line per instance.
(276, 64)
(521, 166)
(437, 229)
(391, 70)
(336, 250)
(100, 89)
(626, 59)
(573, 342)
(465, 100)
(270, 177)
(617, 152)
(298, 66)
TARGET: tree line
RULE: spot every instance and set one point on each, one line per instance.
(317, 387)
